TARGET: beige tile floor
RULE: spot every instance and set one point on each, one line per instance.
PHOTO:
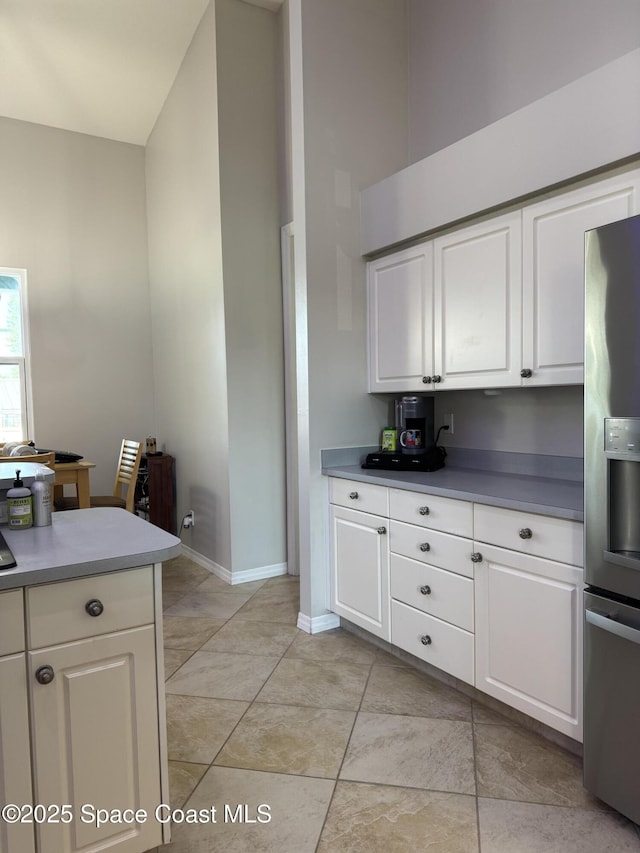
(344, 747)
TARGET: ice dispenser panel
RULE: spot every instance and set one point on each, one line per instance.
(622, 449)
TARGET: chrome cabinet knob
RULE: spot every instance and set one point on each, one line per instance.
(426, 380)
(425, 590)
(525, 533)
(526, 373)
(476, 557)
(425, 546)
(436, 378)
(425, 640)
(353, 496)
(382, 530)
(424, 510)
(94, 607)
(45, 674)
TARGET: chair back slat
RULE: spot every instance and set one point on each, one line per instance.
(127, 471)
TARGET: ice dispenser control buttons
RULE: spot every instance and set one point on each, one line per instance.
(622, 435)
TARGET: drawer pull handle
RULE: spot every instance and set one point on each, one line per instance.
(425, 590)
(525, 533)
(425, 546)
(476, 557)
(424, 510)
(45, 674)
(94, 607)
(426, 380)
(353, 496)
(382, 530)
(425, 640)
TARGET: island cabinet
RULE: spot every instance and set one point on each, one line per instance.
(528, 608)
(15, 753)
(81, 713)
(94, 702)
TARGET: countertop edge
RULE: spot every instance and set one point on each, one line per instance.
(569, 508)
(82, 543)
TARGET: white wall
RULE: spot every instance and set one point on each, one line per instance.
(355, 132)
(187, 298)
(472, 63)
(248, 42)
(73, 215)
(515, 420)
(214, 249)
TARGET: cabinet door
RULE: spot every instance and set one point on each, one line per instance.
(360, 569)
(553, 274)
(95, 739)
(400, 316)
(529, 636)
(477, 305)
(15, 766)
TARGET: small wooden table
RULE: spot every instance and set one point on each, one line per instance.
(73, 473)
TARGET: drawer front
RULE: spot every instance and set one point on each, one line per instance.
(365, 497)
(435, 591)
(11, 622)
(445, 514)
(58, 612)
(430, 546)
(445, 646)
(539, 535)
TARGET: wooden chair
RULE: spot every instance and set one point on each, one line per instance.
(126, 476)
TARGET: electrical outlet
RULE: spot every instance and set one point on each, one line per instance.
(448, 420)
(189, 520)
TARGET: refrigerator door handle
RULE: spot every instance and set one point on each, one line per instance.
(613, 627)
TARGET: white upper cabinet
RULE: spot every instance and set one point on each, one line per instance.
(400, 305)
(477, 305)
(553, 274)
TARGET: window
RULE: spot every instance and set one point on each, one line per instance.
(15, 377)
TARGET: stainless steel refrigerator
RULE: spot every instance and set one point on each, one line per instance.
(612, 516)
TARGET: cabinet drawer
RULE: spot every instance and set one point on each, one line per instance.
(430, 546)
(57, 612)
(554, 538)
(445, 514)
(445, 646)
(365, 497)
(11, 622)
(435, 591)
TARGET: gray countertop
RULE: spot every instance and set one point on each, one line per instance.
(545, 495)
(85, 542)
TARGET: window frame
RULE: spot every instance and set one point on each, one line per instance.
(23, 361)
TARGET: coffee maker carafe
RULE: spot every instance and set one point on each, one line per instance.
(414, 423)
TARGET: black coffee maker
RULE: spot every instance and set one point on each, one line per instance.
(414, 425)
(416, 448)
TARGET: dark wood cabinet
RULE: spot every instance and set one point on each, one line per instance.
(155, 491)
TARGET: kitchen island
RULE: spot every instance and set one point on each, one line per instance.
(82, 722)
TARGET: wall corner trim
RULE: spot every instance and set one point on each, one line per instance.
(233, 578)
(316, 624)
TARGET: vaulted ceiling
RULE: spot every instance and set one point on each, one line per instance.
(102, 67)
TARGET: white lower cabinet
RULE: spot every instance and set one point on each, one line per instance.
(528, 613)
(95, 739)
(81, 714)
(15, 766)
(497, 603)
(360, 569)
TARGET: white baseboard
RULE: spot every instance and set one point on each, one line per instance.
(233, 578)
(316, 624)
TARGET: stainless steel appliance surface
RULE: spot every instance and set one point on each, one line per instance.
(612, 515)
